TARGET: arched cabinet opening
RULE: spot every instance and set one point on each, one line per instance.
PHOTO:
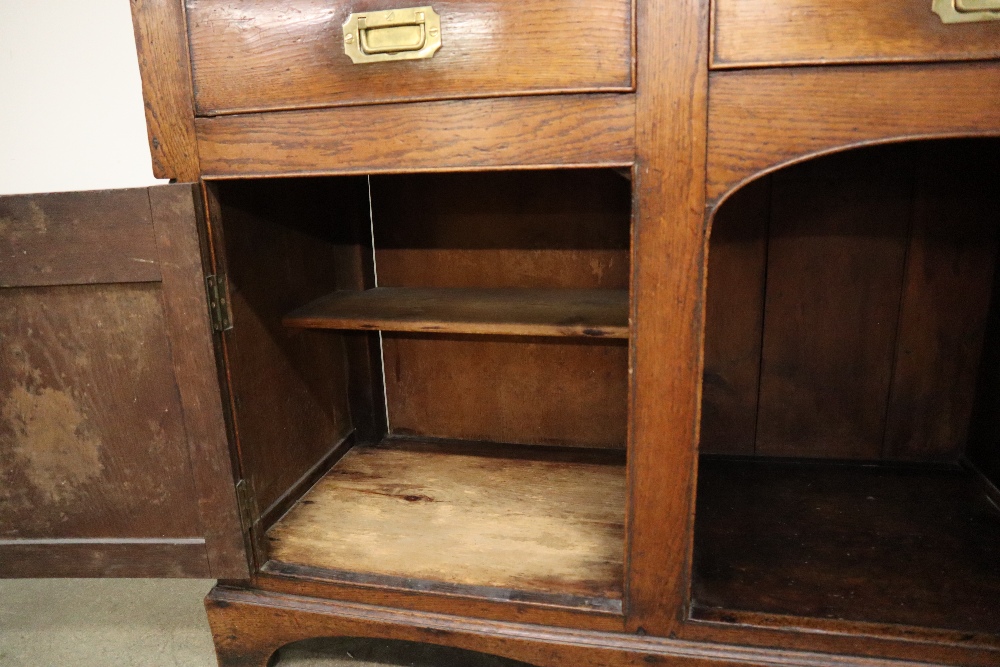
(850, 437)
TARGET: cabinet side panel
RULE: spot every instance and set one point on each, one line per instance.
(283, 244)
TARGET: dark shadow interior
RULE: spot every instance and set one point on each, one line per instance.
(850, 424)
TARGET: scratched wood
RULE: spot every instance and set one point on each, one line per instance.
(463, 517)
(296, 59)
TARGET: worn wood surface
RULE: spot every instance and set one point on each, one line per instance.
(668, 291)
(175, 219)
(853, 543)
(463, 517)
(249, 626)
(570, 130)
(761, 119)
(542, 391)
(517, 312)
(87, 401)
(296, 57)
(834, 275)
(946, 296)
(760, 33)
(74, 239)
(162, 46)
(734, 320)
(279, 245)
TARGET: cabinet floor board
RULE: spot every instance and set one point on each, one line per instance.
(474, 521)
(910, 545)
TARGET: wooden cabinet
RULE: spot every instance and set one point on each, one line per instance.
(651, 352)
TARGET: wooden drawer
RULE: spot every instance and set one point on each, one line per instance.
(285, 54)
(764, 32)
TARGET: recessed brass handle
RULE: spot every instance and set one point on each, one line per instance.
(967, 11)
(395, 34)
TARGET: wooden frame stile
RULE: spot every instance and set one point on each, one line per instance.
(162, 45)
(669, 256)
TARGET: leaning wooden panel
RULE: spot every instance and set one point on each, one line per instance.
(162, 46)
(760, 120)
(75, 238)
(296, 57)
(564, 130)
(762, 32)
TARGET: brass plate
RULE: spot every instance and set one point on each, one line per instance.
(966, 11)
(410, 33)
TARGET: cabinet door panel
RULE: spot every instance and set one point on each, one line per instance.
(102, 468)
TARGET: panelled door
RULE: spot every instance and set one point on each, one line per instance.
(113, 452)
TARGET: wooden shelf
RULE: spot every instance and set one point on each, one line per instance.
(517, 312)
(915, 546)
(495, 521)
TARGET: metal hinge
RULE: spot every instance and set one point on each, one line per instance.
(218, 302)
(248, 508)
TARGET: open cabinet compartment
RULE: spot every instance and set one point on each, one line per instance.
(850, 447)
(428, 376)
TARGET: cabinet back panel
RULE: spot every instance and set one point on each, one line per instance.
(564, 229)
(286, 243)
(847, 300)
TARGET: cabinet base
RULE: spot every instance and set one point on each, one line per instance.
(249, 626)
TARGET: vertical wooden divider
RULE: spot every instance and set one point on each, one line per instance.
(668, 291)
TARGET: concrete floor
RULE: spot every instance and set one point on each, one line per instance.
(154, 622)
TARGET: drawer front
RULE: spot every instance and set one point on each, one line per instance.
(766, 32)
(261, 55)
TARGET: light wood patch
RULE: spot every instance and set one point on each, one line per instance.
(533, 525)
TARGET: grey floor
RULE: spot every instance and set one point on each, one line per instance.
(154, 622)
(104, 623)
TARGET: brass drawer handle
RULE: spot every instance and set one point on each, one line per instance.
(967, 11)
(395, 34)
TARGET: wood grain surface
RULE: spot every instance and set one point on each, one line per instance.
(734, 320)
(762, 119)
(668, 300)
(543, 391)
(565, 229)
(839, 229)
(517, 312)
(269, 54)
(77, 238)
(544, 131)
(454, 516)
(761, 33)
(161, 41)
(281, 245)
(850, 543)
(951, 261)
